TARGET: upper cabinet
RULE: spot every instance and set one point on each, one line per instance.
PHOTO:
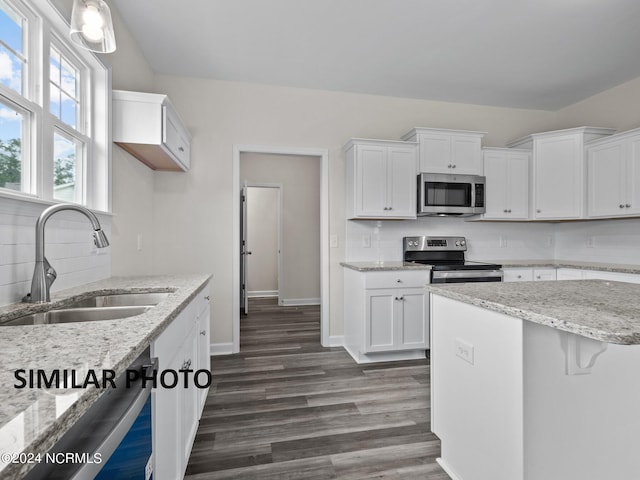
(558, 171)
(507, 183)
(148, 127)
(381, 179)
(613, 172)
(448, 151)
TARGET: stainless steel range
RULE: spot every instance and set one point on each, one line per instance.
(446, 255)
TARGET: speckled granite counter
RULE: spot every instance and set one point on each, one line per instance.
(32, 420)
(597, 309)
(601, 267)
(382, 267)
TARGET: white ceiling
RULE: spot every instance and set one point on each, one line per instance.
(542, 54)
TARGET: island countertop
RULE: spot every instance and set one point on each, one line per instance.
(597, 309)
(32, 420)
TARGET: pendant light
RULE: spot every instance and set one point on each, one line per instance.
(91, 26)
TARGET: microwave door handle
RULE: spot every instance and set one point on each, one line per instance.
(473, 195)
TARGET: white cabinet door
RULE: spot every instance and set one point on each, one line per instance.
(633, 175)
(380, 329)
(401, 182)
(371, 181)
(414, 305)
(569, 274)
(466, 155)
(204, 352)
(507, 184)
(518, 275)
(558, 177)
(607, 172)
(189, 398)
(435, 153)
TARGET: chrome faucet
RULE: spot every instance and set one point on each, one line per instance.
(44, 274)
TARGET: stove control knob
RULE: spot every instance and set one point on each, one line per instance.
(457, 244)
(462, 243)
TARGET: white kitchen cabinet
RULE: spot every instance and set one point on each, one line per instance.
(517, 275)
(558, 171)
(381, 179)
(507, 183)
(569, 274)
(613, 172)
(176, 411)
(448, 151)
(386, 315)
(148, 127)
(529, 274)
(204, 347)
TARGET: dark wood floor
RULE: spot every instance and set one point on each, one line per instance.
(287, 408)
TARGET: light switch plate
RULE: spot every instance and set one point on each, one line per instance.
(464, 350)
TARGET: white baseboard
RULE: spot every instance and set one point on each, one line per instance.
(335, 341)
(221, 348)
(384, 356)
(262, 293)
(295, 302)
(447, 469)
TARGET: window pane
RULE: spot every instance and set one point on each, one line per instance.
(63, 88)
(66, 169)
(11, 135)
(12, 57)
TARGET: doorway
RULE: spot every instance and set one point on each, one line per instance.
(261, 242)
(321, 159)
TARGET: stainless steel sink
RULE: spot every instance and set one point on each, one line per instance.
(121, 300)
(72, 315)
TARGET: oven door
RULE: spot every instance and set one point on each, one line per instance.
(466, 276)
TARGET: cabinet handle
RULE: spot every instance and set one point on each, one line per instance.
(453, 166)
(207, 298)
(505, 210)
(538, 277)
(203, 333)
(449, 166)
(390, 208)
(181, 149)
(509, 210)
(539, 211)
(621, 206)
(519, 276)
(186, 364)
(398, 281)
(628, 205)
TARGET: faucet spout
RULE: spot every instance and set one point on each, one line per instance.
(44, 274)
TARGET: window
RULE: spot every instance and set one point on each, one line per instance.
(54, 110)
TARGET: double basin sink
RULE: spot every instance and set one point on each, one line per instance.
(100, 307)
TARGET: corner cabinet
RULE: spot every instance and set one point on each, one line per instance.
(381, 179)
(148, 127)
(613, 172)
(558, 171)
(507, 183)
(386, 315)
(448, 151)
(176, 411)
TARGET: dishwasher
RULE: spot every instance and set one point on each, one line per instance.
(114, 435)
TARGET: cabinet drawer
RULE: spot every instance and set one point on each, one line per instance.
(397, 279)
(518, 275)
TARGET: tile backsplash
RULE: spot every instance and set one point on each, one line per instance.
(68, 247)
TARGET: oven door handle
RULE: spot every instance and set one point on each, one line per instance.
(467, 274)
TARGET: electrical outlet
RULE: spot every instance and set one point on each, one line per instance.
(333, 241)
(503, 242)
(591, 242)
(464, 350)
(366, 241)
(92, 246)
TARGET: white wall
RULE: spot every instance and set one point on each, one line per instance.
(263, 233)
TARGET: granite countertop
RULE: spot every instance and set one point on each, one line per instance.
(597, 309)
(383, 266)
(32, 420)
(601, 267)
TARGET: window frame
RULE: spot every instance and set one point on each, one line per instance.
(46, 27)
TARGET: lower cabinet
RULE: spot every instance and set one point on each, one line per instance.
(386, 315)
(529, 274)
(176, 409)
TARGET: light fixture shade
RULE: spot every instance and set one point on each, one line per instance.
(91, 26)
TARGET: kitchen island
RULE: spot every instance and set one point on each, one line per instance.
(31, 419)
(537, 380)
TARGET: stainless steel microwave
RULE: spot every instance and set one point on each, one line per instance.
(445, 194)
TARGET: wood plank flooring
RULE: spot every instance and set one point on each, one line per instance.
(287, 408)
